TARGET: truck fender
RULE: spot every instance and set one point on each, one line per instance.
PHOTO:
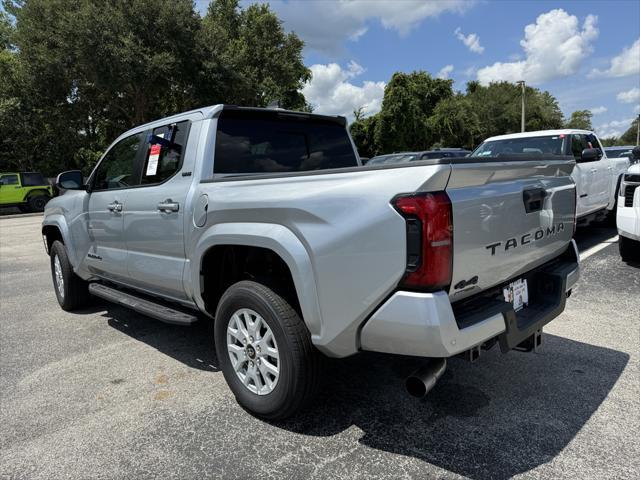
(274, 237)
(58, 221)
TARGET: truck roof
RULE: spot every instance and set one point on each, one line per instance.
(212, 111)
(538, 133)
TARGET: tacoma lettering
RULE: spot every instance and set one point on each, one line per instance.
(526, 239)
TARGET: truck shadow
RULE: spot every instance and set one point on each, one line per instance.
(495, 418)
(192, 346)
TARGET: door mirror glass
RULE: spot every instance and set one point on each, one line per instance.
(590, 155)
(70, 180)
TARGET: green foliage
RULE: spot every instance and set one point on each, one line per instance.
(363, 133)
(76, 73)
(631, 135)
(408, 102)
(456, 122)
(420, 112)
(580, 119)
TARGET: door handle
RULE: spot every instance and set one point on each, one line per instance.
(115, 206)
(594, 170)
(168, 206)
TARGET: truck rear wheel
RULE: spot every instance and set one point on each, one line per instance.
(265, 351)
(37, 203)
(71, 291)
(629, 249)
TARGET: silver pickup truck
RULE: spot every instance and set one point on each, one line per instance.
(266, 222)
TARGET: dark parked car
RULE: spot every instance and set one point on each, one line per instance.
(403, 157)
(620, 151)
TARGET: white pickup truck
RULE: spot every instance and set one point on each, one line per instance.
(265, 221)
(597, 176)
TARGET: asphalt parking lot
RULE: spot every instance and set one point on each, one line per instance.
(107, 393)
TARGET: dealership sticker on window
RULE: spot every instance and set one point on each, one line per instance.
(154, 155)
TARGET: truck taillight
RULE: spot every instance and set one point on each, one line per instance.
(428, 218)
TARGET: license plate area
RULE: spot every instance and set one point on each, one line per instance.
(517, 294)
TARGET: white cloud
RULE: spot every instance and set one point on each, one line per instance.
(630, 96)
(470, 72)
(554, 47)
(598, 110)
(636, 109)
(627, 63)
(613, 129)
(324, 26)
(331, 91)
(445, 71)
(472, 41)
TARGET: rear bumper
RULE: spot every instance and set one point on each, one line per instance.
(427, 325)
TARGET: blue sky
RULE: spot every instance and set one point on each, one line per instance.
(353, 48)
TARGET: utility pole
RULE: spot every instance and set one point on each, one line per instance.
(521, 83)
(638, 130)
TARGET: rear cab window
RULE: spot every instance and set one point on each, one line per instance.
(33, 180)
(256, 142)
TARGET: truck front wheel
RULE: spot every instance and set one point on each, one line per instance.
(71, 291)
(265, 351)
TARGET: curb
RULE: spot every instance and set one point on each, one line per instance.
(20, 215)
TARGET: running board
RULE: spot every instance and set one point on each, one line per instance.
(141, 305)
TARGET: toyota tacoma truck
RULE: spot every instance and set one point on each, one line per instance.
(597, 176)
(266, 222)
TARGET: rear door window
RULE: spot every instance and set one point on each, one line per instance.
(33, 180)
(163, 160)
(272, 142)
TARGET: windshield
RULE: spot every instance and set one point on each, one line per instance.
(400, 158)
(547, 145)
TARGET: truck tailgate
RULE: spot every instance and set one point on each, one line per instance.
(508, 218)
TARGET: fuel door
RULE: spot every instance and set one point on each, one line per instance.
(200, 211)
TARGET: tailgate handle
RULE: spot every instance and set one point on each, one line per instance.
(533, 199)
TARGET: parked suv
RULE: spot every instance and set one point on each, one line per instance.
(29, 191)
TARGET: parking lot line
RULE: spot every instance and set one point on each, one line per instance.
(596, 248)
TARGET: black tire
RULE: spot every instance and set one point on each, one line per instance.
(38, 202)
(75, 290)
(629, 249)
(24, 208)
(299, 364)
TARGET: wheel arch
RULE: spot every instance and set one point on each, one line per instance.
(278, 240)
(35, 193)
(55, 228)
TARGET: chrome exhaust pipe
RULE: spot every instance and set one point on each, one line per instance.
(420, 382)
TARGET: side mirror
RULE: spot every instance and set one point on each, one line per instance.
(590, 155)
(635, 153)
(70, 180)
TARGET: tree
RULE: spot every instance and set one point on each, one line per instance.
(408, 102)
(74, 75)
(498, 106)
(455, 123)
(256, 60)
(630, 136)
(580, 119)
(363, 133)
